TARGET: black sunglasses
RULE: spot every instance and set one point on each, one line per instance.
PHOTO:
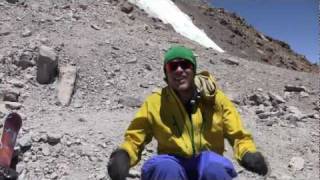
(172, 66)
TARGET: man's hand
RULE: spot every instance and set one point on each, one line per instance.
(254, 162)
(119, 164)
(8, 174)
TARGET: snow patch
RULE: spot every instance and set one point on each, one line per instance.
(168, 12)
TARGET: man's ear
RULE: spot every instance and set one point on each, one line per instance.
(165, 74)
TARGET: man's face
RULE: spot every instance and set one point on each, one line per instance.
(180, 75)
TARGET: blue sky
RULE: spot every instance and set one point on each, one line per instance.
(292, 21)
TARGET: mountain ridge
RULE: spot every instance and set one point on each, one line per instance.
(237, 37)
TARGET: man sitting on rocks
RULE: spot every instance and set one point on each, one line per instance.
(189, 118)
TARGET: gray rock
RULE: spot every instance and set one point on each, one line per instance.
(293, 110)
(5, 30)
(95, 27)
(26, 33)
(11, 95)
(291, 88)
(304, 94)
(316, 116)
(296, 163)
(47, 64)
(130, 101)
(45, 150)
(67, 79)
(16, 83)
(20, 167)
(83, 6)
(258, 99)
(275, 99)
(3, 111)
(231, 61)
(264, 115)
(25, 60)
(126, 7)
(54, 138)
(12, 105)
(134, 173)
(101, 175)
(25, 141)
(132, 61)
(260, 109)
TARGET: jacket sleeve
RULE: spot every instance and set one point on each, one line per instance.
(241, 140)
(138, 134)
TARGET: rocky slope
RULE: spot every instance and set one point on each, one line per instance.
(237, 37)
(117, 51)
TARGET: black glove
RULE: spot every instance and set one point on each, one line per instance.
(254, 162)
(8, 174)
(119, 164)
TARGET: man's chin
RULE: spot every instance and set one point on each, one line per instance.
(183, 87)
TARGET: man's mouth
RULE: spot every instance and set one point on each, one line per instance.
(180, 79)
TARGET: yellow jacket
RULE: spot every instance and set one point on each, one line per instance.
(164, 117)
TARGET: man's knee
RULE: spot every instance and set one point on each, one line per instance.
(162, 167)
(215, 171)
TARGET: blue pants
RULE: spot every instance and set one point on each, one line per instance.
(205, 166)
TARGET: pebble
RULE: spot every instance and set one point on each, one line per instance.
(54, 137)
(296, 163)
(26, 33)
(12, 105)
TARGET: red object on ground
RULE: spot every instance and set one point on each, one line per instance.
(11, 129)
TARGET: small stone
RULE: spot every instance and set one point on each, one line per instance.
(144, 85)
(231, 61)
(316, 116)
(26, 33)
(101, 175)
(95, 27)
(258, 99)
(304, 94)
(260, 109)
(296, 163)
(264, 115)
(5, 30)
(132, 61)
(126, 7)
(54, 138)
(291, 88)
(294, 110)
(130, 101)
(12, 105)
(20, 167)
(148, 67)
(81, 119)
(134, 173)
(83, 6)
(211, 61)
(67, 79)
(276, 99)
(25, 142)
(25, 60)
(45, 150)
(77, 105)
(54, 175)
(16, 83)
(11, 95)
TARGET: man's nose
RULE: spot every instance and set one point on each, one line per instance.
(179, 69)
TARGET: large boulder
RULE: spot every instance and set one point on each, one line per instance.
(47, 64)
(67, 79)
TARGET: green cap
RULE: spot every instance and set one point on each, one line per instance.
(180, 51)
